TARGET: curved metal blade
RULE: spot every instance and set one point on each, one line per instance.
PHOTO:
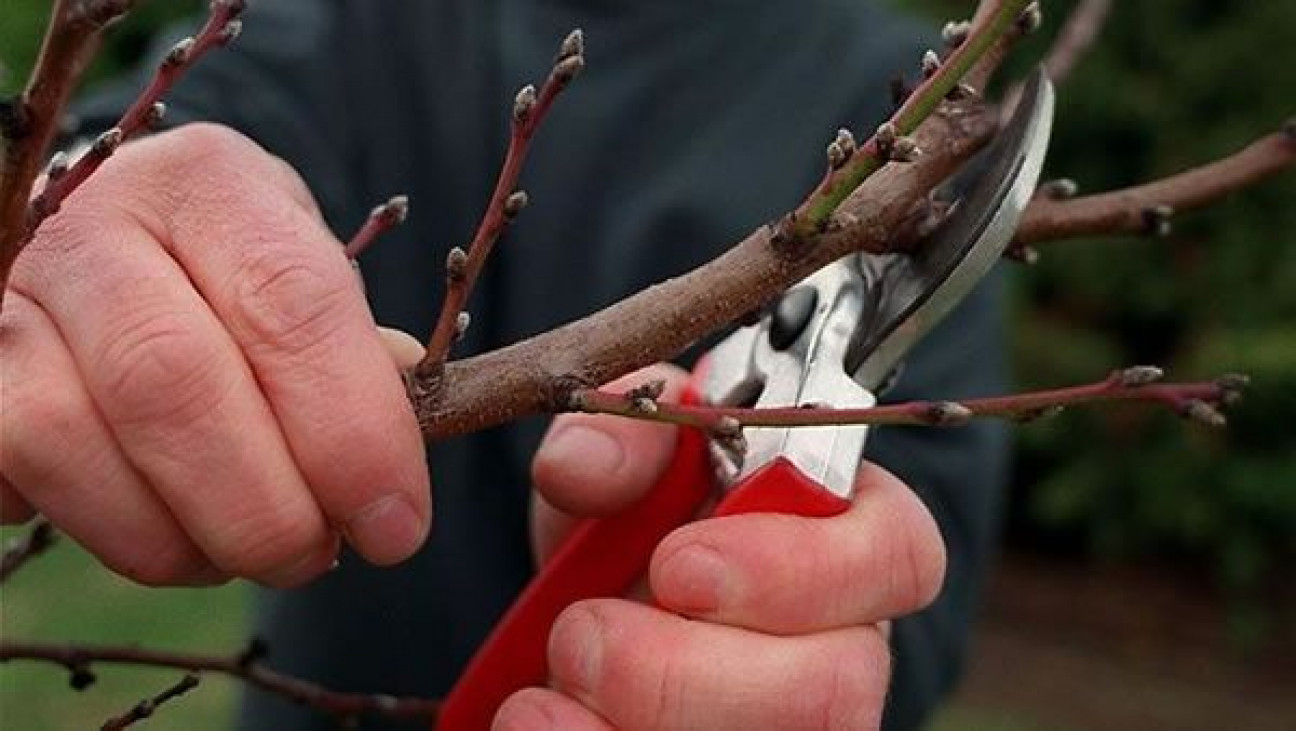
(911, 293)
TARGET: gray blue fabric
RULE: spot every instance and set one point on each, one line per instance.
(697, 121)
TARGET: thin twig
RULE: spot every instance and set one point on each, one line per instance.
(147, 707)
(1198, 401)
(381, 220)
(244, 666)
(37, 540)
(889, 143)
(463, 268)
(1075, 38)
(1145, 209)
(222, 27)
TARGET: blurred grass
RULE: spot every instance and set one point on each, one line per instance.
(65, 596)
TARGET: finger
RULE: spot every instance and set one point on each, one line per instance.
(59, 454)
(881, 559)
(538, 709)
(282, 286)
(175, 392)
(405, 350)
(643, 668)
(594, 465)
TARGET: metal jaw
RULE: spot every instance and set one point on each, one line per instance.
(810, 370)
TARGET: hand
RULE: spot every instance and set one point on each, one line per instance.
(768, 621)
(194, 386)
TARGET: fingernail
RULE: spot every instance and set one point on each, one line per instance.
(576, 650)
(386, 531)
(305, 570)
(694, 579)
(583, 452)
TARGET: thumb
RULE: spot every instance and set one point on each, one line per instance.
(590, 465)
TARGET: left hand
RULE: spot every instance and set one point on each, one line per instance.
(767, 621)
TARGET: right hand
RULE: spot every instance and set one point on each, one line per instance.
(194, 388)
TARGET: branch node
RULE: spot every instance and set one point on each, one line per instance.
(108, 142)
(1136, 376)
(568, 69)
(1231, 386)
(257, 650)
(1022, 254)
(82, 676)
(58, 166)
(230, 32)
(156, 113)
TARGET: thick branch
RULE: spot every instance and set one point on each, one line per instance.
(1137, 210)
(78, 659)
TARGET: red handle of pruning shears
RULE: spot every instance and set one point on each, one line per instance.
(605, 557)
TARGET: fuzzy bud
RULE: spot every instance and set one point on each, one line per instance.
(727, 427)
(956, 32)
(572, 45)
(651, 390)
(179, 53)
(1023, 254)
(456, 264)
(568, 68)
(905, 150)
(156, 113)
(961, 91)
(643, 406)
(523, 103)
(1203, 413)
(231, 32)
(1031, 18)
(395, 210)
(108, 142)
(947, 413)
(1136, 376)
(1157, 220)
(514, 204)
(1059, 189)
(931, 63)
(58, 165)
(462, 321)
(837, 157)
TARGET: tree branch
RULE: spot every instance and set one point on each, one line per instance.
(147, 707)
(1075, 38)
(245, 666)
(39, 538)
(1143, 209)
(1197, 401)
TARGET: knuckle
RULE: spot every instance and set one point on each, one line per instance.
(207, 141)
(291, 301)
(155, 368)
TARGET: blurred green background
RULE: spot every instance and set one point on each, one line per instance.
(1172, 83)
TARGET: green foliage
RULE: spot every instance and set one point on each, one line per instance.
(1170, 85)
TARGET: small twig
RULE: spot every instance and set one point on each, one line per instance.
(1145, 209)
(1075, 38)
(530, 107)
(21, 550)
(244, 666)
(381, 220)
(222, 27)
(892, 142)
(147, 707)
(1198, 401)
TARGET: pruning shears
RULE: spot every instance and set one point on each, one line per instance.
(833, 340)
